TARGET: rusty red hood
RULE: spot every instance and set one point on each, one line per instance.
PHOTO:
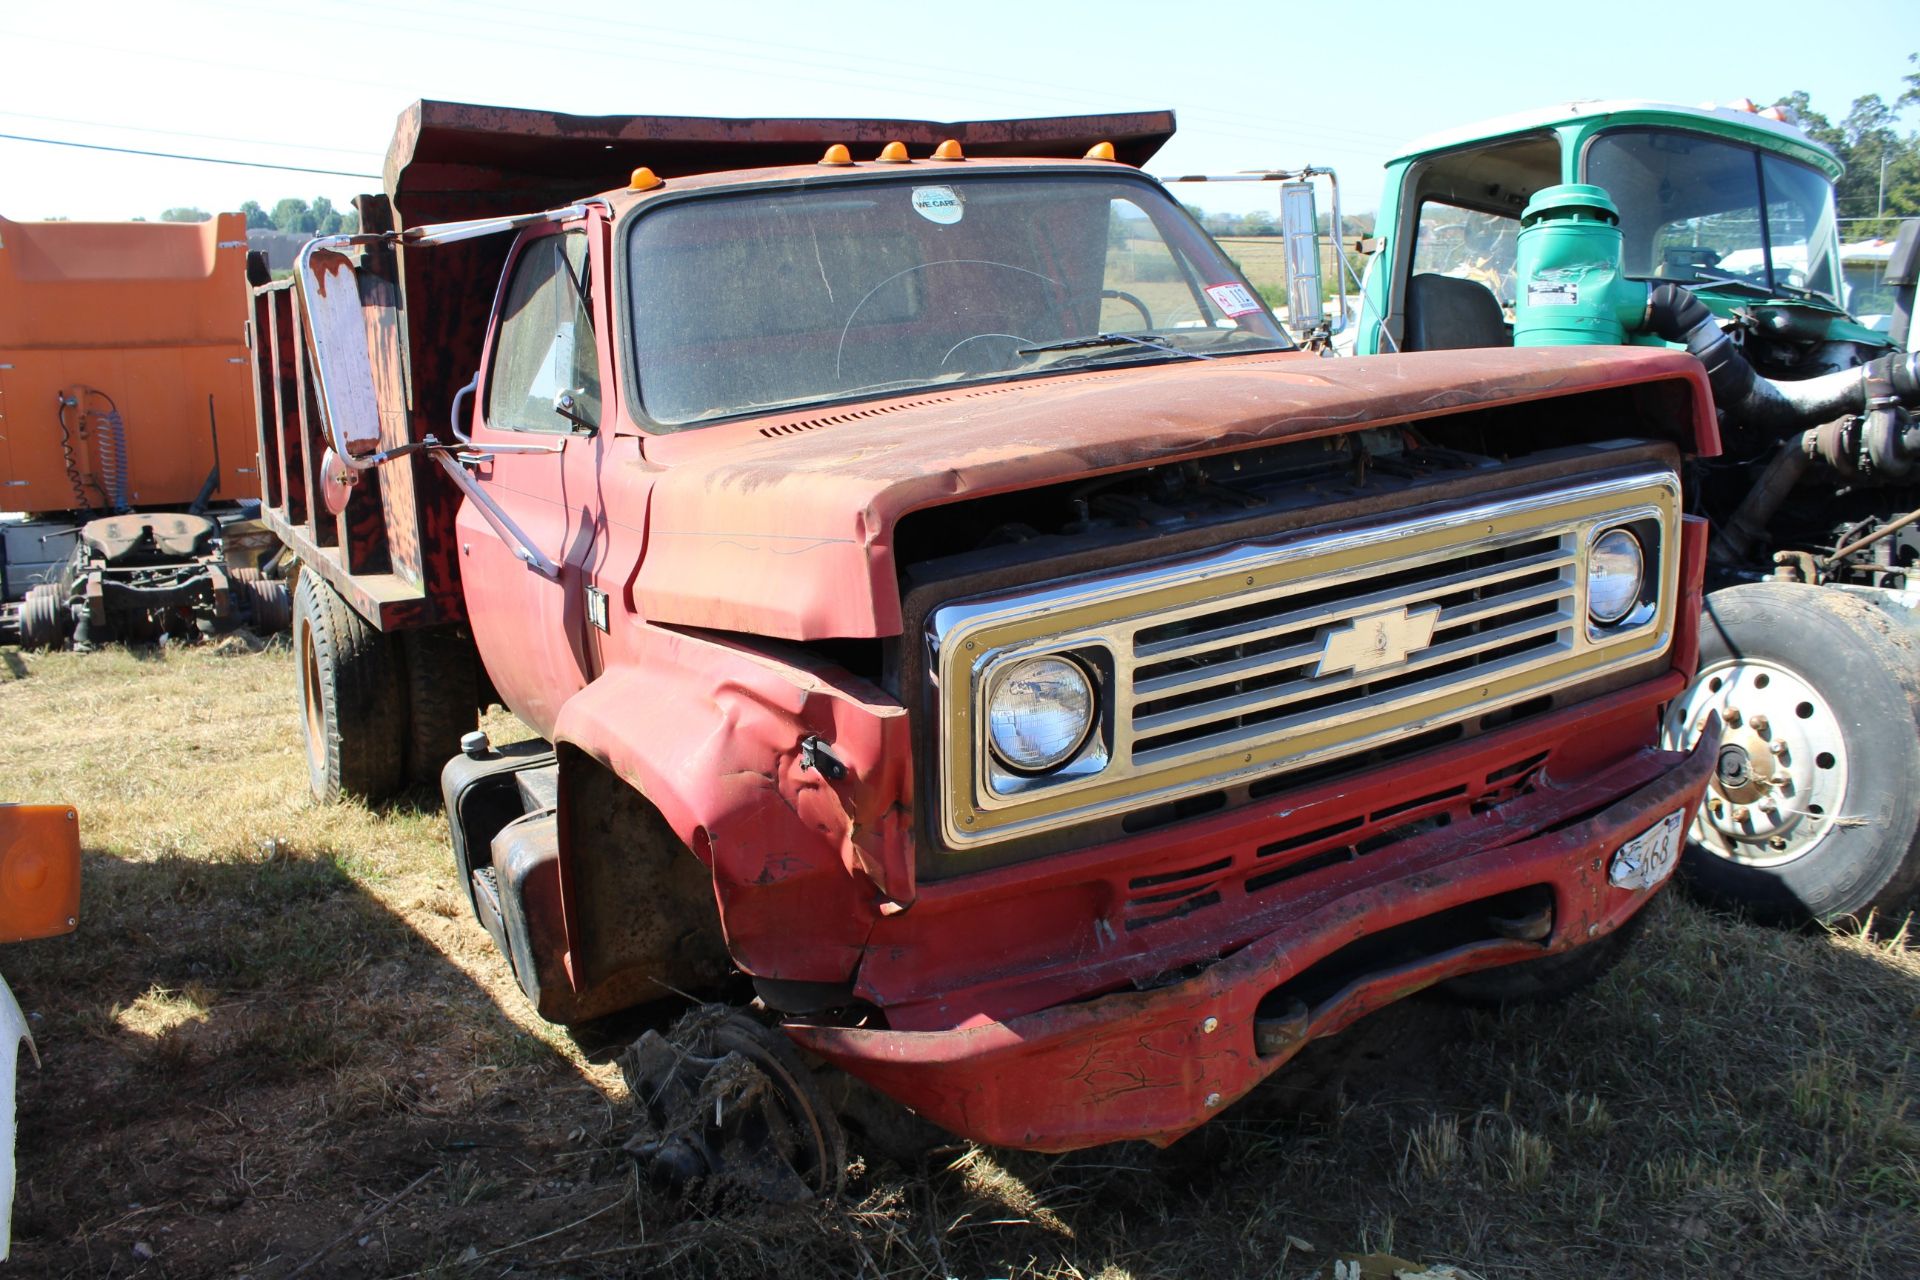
(783, 527)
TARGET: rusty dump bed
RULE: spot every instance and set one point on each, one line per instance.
(392, 553)
(123, 364)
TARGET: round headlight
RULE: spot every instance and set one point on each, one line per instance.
(1616, 570)
(1039, 712)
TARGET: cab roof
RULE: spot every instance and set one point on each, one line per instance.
(1710, 119)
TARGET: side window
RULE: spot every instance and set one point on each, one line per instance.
(1468, 244)
(545, 344)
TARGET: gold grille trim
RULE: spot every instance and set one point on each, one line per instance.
(1243, 662)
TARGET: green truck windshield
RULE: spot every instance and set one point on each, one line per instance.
(1700, 210)
(799, 295)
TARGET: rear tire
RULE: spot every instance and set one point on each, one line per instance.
(352, 695)
(443, 698)
(1812, 814)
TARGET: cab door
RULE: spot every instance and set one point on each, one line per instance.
(537, 404)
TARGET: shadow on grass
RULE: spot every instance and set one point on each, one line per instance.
(242, 1058)
(254, 1061)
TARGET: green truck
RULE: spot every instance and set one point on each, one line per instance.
(1713, 228)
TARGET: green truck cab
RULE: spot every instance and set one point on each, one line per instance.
(1714, 228)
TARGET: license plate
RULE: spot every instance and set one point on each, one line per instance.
(1649, 857)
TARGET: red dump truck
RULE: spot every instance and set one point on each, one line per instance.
(946, 598)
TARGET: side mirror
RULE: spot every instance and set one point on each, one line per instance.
(1300, 231)
(39, 871)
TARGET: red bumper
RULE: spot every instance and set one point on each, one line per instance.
(1159, 1063)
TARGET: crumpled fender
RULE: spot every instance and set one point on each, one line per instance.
(711, 732)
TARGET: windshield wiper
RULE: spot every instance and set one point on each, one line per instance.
(1151, 341)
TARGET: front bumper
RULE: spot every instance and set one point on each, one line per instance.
(1157, 1064)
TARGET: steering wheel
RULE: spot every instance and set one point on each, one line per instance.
(840, 350)
(1121, 295)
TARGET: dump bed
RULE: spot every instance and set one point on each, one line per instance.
(140, 321)
(391, 551)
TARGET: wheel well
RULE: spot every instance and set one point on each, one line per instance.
(642, 921)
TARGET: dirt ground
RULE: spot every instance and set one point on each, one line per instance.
(278, 1047)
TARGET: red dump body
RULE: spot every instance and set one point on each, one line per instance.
(1124, 953)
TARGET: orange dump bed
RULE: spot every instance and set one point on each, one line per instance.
(143, 320)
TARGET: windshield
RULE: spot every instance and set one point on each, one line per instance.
(1691, 209)
(796, 295)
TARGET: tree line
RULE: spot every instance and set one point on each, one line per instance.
(293, 214)
(1882, 182)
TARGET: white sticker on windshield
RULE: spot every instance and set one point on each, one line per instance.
(1234, 299)
(938, 204)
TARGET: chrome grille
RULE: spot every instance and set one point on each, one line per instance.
(1211, 681)
(1251, 662)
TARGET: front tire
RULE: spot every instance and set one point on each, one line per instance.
(1811, 814)
(354, 701)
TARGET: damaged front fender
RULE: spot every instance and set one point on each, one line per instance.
(735, 748)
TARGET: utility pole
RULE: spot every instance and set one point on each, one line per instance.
(1880, 207)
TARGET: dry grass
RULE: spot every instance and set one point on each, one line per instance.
(276, 1037)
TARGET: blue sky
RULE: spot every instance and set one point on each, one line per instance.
(1278, 84)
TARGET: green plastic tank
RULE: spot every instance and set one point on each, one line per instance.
(1568, 263)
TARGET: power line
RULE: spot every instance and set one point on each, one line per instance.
(174, 155)
(184, 133)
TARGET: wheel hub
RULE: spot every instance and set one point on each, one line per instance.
(1782, 767)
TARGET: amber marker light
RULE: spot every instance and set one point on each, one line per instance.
(1100, 151)
(837, 154)
(949, 150)
(893, 153)
(644, 179)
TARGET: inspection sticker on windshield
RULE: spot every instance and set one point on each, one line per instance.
(1553, 294)
(1232, 299)
(1649, 857)
(938, 204)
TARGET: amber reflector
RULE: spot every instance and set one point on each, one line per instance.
(644, 179)
(949, 150)
(893, 153)
(837, 154)
(1100, 151)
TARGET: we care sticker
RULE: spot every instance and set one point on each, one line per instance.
(1234, 299)
(938, 204)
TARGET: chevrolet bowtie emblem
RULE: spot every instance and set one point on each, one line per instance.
(1376, 641)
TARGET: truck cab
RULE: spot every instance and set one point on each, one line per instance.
(1727, 214)
(949, 604)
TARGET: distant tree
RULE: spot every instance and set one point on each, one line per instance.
(184, 213)
(1882, 159)
(1259, 223)
(258, 219)
(292, 214)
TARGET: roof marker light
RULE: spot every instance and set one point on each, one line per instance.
(837, 154)
(1100, 151)
(643, 179)
(893, 153)
(949, 150)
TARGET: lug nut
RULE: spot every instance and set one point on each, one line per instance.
(1210, 1026)
(1777, 844)
(1740, 814)
(1760, 725)
(1778, 747)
